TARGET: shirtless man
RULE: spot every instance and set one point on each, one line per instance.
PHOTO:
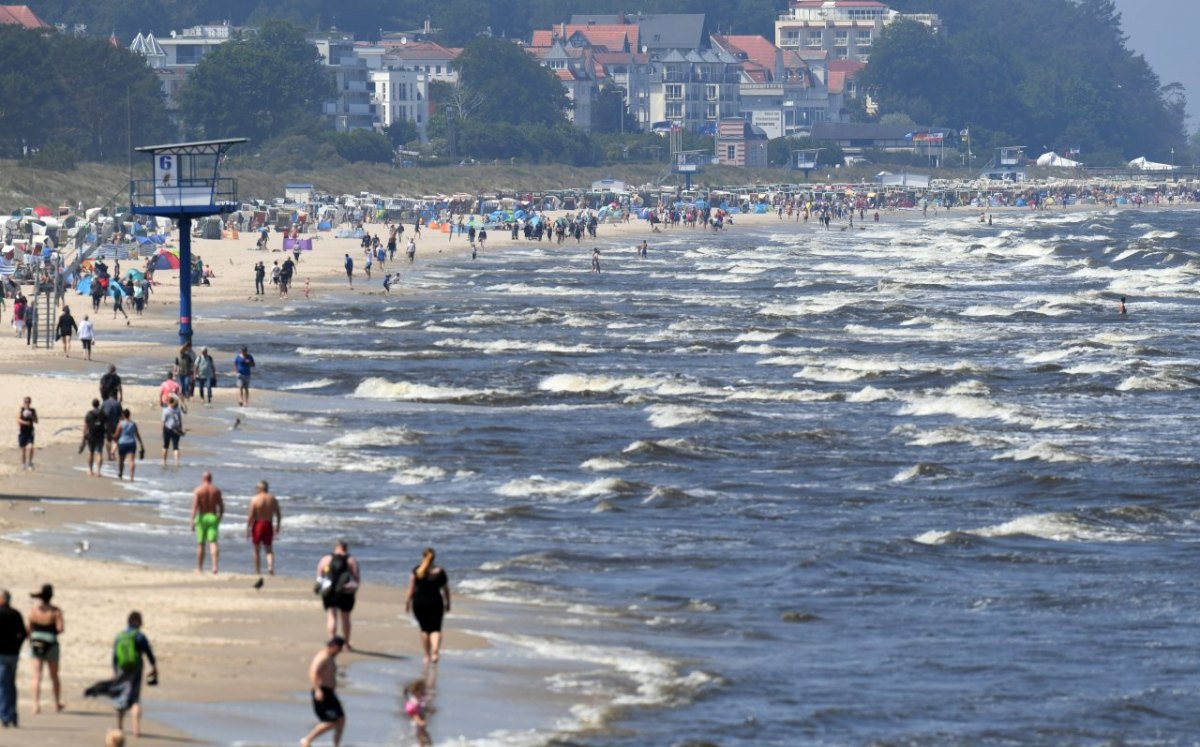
(264, 522)
(322, 676)
(207, 509)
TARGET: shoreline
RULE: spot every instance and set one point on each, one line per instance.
(193, 628)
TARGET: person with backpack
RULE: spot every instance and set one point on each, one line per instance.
(129, 648)
(338, 579)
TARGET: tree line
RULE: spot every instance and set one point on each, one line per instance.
(1046, 74)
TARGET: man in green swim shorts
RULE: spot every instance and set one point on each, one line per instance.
(207, 510)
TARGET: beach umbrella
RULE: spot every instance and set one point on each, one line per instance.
(115, 289)
(42, 211)
(137, 275)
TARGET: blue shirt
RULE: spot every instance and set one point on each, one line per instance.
(243, 363)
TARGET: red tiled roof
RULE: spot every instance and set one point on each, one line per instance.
(837, 82)
(849, 68)
(425, 50)
(564, 74)
(21, 15)
(611, 36)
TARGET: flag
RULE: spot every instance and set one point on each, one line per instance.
(964, 133)
(1073, 151)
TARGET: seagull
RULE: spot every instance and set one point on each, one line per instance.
(82, 546)
(237, 423)
(259, 583)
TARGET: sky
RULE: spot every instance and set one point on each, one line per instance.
(1164, 31)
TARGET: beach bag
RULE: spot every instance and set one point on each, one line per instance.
(337, 576)
(125, 651)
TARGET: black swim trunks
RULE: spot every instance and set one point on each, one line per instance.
(343, 602)
(328, 708)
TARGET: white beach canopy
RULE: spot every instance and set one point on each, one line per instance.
(1054, 160)
(1143, 165)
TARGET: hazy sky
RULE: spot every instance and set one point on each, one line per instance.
(1164, 31)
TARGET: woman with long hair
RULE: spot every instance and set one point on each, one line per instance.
(429, 600)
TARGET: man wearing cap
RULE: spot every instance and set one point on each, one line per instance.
(322, 676)
(12, 636)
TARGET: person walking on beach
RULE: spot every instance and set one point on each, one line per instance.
(208, 508)
(172, 428)
(129, 648)
(12, 636)
(31, 330)
(263, 523)
(110, 383)
(185, 364)
(95, 434)
(65, 329)
(260, 274)
(322, 678)
(46, 624)
(429, 600)
(87, 335)
(129, 444)
(168, 388)
(206, 375)
(349, 265)
(411, 248)
(338, 578)
(26, 422)
(112, 416)
(243, 366)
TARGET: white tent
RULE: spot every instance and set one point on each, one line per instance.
(1143, 165)
(1054, 160)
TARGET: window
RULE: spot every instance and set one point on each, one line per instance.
(712, 93)
(815, 38)
(863, 39)
(710, 111)
(841, 38)
(791, 38)
(841, 54)
(730, 152)
(674, 111)
(674, 92)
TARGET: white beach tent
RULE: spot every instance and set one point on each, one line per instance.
(1054, 160)
(1143, 165)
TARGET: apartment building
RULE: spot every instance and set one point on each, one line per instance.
(845, 29)
(694, 89)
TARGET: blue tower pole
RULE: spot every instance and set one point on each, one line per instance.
(185, 279)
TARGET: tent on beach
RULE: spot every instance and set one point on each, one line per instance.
(1053, 160)
(165, 259)
(1142, 164)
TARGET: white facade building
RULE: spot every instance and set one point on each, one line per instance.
(846, 29)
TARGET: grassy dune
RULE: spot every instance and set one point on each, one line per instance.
(95, 184)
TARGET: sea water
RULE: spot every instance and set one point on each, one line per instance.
(913, 484)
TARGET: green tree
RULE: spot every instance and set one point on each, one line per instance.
(361, 145)
(256, 86)
(401, 132)
(87, 96)
(511, 85)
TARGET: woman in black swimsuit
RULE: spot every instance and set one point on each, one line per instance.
(429, 600)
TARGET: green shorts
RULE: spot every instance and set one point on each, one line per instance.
(206, 528)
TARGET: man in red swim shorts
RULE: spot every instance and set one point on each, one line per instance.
(264, 522)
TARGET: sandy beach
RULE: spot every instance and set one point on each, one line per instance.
(218, 639)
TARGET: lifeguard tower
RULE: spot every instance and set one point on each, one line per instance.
(806, 160)
(185, 185)
(1008, 164)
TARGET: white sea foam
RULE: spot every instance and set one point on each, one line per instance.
(756, 336)
(871, 394)
(418, 475)
(1042, 451)
(494, 347)
(537, 485)
(314, 384)
(377, 388)
(603, 464)
(397, 323)
(1057, 527)
(375, 437)
(673, 416)
(1158, 382)
(359, 353)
